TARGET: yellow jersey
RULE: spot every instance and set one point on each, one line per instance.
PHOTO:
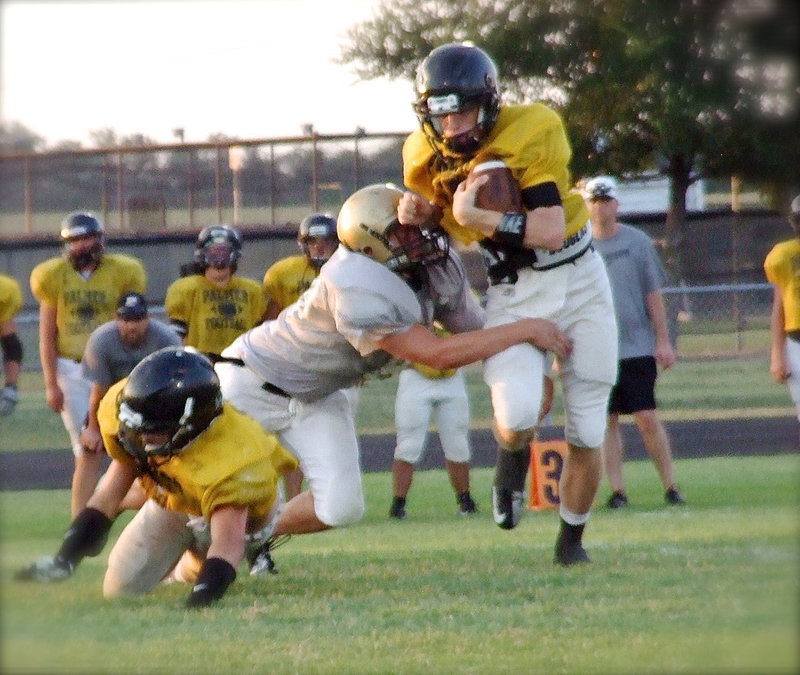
(287, 279)
(234, 462)
(84, 304)
(214, 316)
(530, 139)
(782, 267)
(10, 297)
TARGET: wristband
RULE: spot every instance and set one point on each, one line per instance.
(511, 230)
(215, 576)
(86, 536)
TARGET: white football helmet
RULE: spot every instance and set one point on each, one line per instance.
(368, 224)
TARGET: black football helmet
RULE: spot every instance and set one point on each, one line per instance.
(80, 225)
(368, 224)
(218, 246)
(453, 78)
(174, 391)
(316, 226)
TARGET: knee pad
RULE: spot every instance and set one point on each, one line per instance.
(586, 408)
(342, 513)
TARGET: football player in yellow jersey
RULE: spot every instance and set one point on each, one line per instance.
(212, 307)
(77, 293)
(290, 277)
(10, 304)
(540, 263)
(782, 267)
(210, 474)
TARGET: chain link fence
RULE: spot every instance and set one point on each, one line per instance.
(262, 182)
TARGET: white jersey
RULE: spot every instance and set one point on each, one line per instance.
(328, 339)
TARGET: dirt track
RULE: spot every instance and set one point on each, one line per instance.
(52, 469)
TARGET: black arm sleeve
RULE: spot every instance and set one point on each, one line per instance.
(544, 194)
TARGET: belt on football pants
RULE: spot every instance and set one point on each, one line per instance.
(267, 386)
(503, 263)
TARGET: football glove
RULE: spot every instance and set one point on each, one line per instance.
(8, 400)
(46, 570)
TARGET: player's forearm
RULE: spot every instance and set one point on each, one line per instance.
(420, 345)
(545, 227)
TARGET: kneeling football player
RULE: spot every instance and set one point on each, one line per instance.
(211, 475)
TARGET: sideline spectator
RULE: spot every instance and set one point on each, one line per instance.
(112, 351)
(782, 267)
(637, 277)
(10, 304)
(77, 293)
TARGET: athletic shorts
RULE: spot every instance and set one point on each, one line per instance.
(635, 387)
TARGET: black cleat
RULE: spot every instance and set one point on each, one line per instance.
(507, 507)
(673, 497)
(566, 556)
(466, 505)
(617, 500)
(398, 508)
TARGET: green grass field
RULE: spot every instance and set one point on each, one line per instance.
(708, 588)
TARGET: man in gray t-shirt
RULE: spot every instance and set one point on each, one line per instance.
(637, 276)
(113, 349)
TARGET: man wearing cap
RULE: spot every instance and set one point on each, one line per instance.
(782, 267)
(637, 276)
(111, 353)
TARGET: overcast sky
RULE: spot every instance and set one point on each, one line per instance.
(245, 68)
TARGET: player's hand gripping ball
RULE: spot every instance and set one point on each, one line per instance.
(500, 192)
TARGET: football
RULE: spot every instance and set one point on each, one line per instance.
(501, 192)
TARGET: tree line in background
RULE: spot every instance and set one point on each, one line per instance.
(690, 89)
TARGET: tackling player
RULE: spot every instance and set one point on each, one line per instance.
(213, 306)
(540, 263)
(210, 474)
(371, 303)
(10, 304)
(77, 293)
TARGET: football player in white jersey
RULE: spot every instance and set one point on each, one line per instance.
(373, 302)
